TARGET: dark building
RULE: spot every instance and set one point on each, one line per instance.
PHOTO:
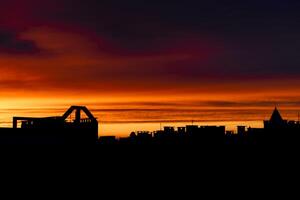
(276, 131)
(108, 140)
(241, 130)
(181, 130)
(53, 130)
(276, 121)
(169, 130)
(190, 129)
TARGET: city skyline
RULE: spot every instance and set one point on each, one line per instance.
(121, 126)
(151, 60)
(79, 126)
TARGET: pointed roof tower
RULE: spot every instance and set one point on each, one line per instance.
(276, 117)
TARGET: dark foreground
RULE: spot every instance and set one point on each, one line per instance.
(195, 139)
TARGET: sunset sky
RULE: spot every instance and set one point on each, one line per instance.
(143, 55)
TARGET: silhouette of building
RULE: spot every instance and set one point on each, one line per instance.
(169, 130)
(183, 135)
(182, 130)
(53, 130)
(107, 140)
(241, 130)
(276, 121)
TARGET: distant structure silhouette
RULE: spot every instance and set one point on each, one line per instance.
(276, 131)
(53, 130)
(84, 131)
(276, 121)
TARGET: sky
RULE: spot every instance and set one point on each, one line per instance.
(155, 55)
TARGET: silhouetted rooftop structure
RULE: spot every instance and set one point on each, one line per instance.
(241, 130)
(276, 121)
(276, 116)
(53, 130)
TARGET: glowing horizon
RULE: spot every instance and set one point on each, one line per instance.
(208, 61)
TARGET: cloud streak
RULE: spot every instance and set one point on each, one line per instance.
(10, 43)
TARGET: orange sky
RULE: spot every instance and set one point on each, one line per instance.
(65, 75)
(53, 56)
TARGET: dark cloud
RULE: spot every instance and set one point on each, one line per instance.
(256, 37)
(246, 38)
(147, 20)
(11, 44)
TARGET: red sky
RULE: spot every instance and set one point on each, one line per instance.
(216, 54)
